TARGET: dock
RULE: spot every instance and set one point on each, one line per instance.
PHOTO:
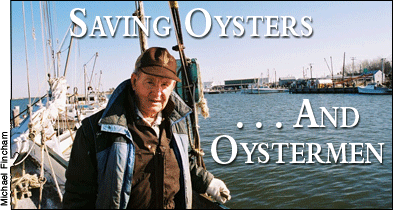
(221, 91)
(323, 90)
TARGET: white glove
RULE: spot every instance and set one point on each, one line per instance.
(217, 189)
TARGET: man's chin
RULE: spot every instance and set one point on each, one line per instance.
(155, 109)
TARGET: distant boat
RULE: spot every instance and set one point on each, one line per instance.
(213, 92)
(263, 90)
(373, 89)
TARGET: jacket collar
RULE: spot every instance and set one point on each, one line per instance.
(115, 112)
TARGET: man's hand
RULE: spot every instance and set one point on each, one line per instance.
(218, 190)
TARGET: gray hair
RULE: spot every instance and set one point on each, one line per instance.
(137, 71)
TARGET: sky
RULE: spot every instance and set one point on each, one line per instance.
(362, 30)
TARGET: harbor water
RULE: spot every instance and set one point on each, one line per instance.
(306, 185)
(299, 185)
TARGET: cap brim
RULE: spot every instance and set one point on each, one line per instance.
(159, 71)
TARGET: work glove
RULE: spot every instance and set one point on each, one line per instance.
(218, 190)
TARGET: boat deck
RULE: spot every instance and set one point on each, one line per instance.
(50, 198)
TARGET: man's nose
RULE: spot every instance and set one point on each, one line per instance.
(157, 90)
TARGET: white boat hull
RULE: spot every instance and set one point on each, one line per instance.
(263, 90)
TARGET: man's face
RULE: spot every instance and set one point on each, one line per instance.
(152, 92)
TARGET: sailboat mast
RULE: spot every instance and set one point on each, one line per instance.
(94, 65)
(27, 62)
(382, 70)
(343, 68)
(331, 64)
(99, 82)
(84, 73)
(140, 13)
(69, 52)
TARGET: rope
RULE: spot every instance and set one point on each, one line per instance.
(42, 168)
(27, 109)
(54, 175)
(22, 185)
(202, 104)
(28, 153)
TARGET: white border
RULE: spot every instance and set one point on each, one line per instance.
(5, 85)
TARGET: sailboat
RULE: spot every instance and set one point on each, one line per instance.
(261, 88)
(46, 135)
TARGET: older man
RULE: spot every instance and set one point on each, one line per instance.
(134, 154)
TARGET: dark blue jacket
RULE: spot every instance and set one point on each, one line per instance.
(100, 169)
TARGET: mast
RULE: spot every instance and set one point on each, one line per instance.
(84, 73)
(343, 68)
(140, 13)
(69, 52)
(27, 58)
(99, 82)
(275, 78)
(331, 64)
(268, 77)
(92, 71)
(382, 70)
(188, 87)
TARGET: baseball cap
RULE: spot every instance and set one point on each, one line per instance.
(157, 61)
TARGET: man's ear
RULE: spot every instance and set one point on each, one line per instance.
(134, 77)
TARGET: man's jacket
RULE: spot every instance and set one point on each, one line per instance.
(100, 170)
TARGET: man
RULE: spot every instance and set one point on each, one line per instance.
(134, 154)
